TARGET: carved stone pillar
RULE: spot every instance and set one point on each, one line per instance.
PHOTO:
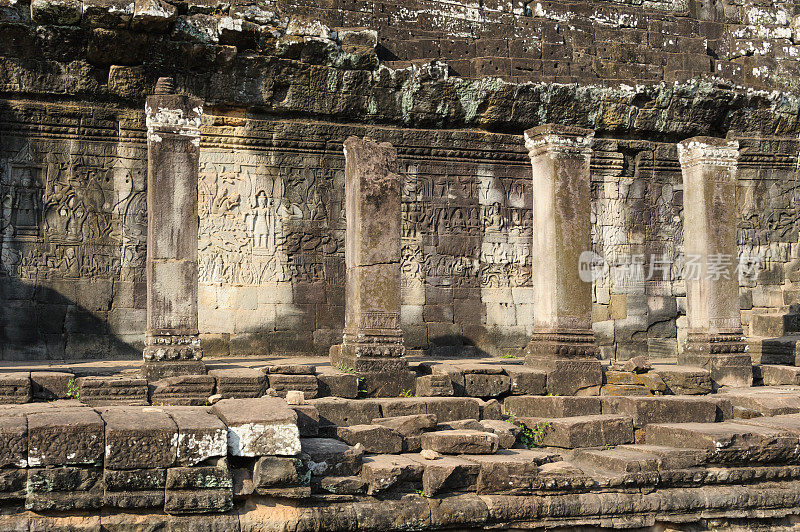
(563, 341)
(714, 333)
(372, 343)
(172, 344)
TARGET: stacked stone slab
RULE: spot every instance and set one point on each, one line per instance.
(172, 345)
(563, 342)
(714, 338)
(372, 343)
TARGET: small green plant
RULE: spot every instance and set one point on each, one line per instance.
(73, 392)
(609, 447)
(420, 493)
(347, 369)
(508, 355)
(407, 393)
(531, 436)
(362, 387)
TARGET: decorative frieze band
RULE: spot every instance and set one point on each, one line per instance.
(708, 151)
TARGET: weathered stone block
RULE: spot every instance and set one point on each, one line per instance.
(685, 380)
(240, 383)
(327, 456)
(510, 471)
(385, 471)
(137, 488)
(434, 386)
(64, 489)
(154, 16)
(304, 383)
(780, 375)
(197, 490)
(15, 387)
(13, 484)
(667, 409)
(552, 406)
(620, 459)
(106, 391)
(583, 431)
(412, 425)
(281, 477)
(307, 420)
(201, 435)
(139, 438)
(183, 390)
(259, 427)
(343, 412)
(56, 12)
(461, 442)
(374, 438)
(338, 385)
(448, 473)
(70, 436)
(49, 385)
(507, 432)
(527, 381)
(343, 485)
(728, 443)
(13, 441)
(486, 385)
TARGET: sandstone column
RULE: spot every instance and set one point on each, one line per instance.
(172, 345)
(563, 341)
(372, 344)
(714, 333)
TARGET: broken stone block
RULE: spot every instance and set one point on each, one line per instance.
(434, 386)
(112, 14)
(374, 438)
(766, 401)
(453, 408)
(50, 385)
(153, 16)
(619, 459)
(461, 442)
(510, 471)
(341, 412)
(343, 485)
(507, 432)
(195, 490)
(384, 471)
(780, 375)
(307, 420)
(338, 385)
(527, 381)
(277, 476)
(685, 380)
(727, 442)
(491, 409)
(136, 488)
(412, 425)
(139, 438)
(666, 409)
(449, 473)
(114, 390)
(68, 436)
(638, 364)
(582, 431)
(671, 457)
(461, 424)
(552, 406)
(327, 456)
(567, 377)
(303, 383)
(15, 388)
(183, 390)
(626, 383)
(13, 441)
(56, 12)
(240, 383)
(291, 369)
(259, 427)
(201, 435)
(485, 384)
(13, 485)
(64, 489)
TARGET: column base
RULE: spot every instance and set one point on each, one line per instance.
(724, 355)
(155, 371)
(570, 376)
(377, 376)
(571, 344)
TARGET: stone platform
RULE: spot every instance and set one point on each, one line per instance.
(473, 443)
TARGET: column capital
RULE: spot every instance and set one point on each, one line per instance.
(558, 138)
(711, 151)
(173, 114)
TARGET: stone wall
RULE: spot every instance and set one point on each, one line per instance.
(281, 96)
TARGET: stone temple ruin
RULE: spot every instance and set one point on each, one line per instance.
(415, 265)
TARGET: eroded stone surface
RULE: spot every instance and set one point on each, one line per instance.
(259, 427)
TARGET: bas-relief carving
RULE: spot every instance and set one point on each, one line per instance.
(71, 211)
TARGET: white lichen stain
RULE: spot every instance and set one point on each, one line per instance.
(257, 439)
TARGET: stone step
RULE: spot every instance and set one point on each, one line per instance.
(763, 400)
(728, 442)
(684, 380)
(551, 406)
(782, 350)
(460, 442)
(619, 459)
(578, 431)
(663, 409)
(774, 325)
(773, 375)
